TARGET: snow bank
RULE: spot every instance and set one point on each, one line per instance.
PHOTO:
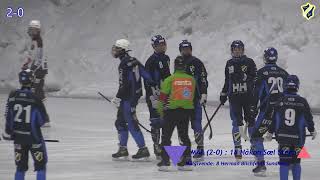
(79, 34)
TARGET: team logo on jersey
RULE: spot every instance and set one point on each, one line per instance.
(38, 156)
(308, 10)
(244, 68)
(231, 69)
(192, 68)
(18, 156)
(186, 93)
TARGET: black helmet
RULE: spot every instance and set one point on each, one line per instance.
(26, 77)
(185, 44)
(179, 63)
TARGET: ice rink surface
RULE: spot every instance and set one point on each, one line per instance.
(88, 137)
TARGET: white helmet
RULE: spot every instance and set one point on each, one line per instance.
(122, 43)
(35, 24)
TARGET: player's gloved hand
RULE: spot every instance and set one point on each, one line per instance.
(155, 91)
(203, 100)
(116, 101)
(223, 98)
(314, 134)
(268, 137)
(156, 123)
(6, 136)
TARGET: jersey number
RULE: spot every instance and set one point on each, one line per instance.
(290, 117)
(276, 82)
(19, 108)
(160, 65)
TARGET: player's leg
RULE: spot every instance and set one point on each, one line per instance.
(256, 131)
(285, 161)
(155, 132)
(183, 126)
(197, 129)
(296, 164)
(40, 158)
(237, 121)
(167, 130)
(38, 86)
(21, 160)
(122, 130)
(129, 114)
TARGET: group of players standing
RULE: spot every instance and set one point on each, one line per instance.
(173, 100)
(263, 101)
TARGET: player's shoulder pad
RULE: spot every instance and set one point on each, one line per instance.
(250, 60)
(133, 62)
(167, 57)
(150, 60)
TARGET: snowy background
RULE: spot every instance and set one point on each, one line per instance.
(78, 36)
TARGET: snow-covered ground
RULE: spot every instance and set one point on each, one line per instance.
(78, 36)
(88, 137)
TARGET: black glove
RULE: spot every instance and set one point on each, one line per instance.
(223, 98)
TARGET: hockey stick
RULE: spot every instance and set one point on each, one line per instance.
(210, 127)
(308, 135)
(206, 126)
(51, 140)
(46, 140)
(112, 103)
(215, 112)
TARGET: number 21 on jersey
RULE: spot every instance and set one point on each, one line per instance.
(19, 111)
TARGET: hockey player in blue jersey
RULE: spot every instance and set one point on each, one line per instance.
(240, 75)
(196, 68)
(291, 117)
(268, 88)
(129, 92)
(158, 66)
(25, 114)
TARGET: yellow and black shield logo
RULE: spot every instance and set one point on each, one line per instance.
(244, 68)
(18, 157)
(308, 10)
(38, 156)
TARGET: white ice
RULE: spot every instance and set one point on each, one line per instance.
(88, 137)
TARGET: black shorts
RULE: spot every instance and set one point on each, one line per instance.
(38, 152)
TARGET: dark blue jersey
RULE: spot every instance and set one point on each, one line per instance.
(240, 76)
(130, 84)
(291, 116)
(196, 68)
(25, 114)
(269, 84)
(158, 66)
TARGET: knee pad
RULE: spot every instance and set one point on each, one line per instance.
(22, 164)
(39, 166)
(155, 134)
(121, 125)
(135, 121)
